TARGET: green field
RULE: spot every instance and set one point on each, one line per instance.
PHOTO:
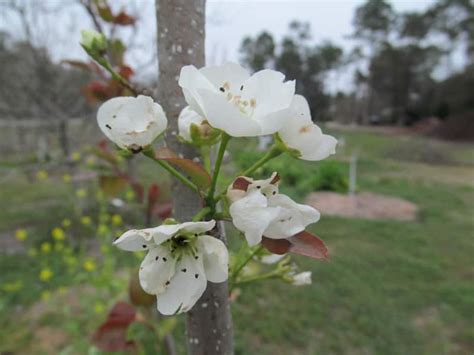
(390, 287)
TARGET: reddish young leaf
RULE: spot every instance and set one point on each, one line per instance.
(276, 246)
(112, 185)
(112, 334)
(163, 210)
(307, 244)
(196, 173)
(241, 183)
(137, 296)
(124, 19)
(303, 243)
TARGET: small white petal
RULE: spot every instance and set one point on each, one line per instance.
(167, 231)
(252, 216)
(157, 268)
(185, 288)
(301, 279)
(135, 240)
(228, 73)
(272, 258)
(292, 219)
(186, 118)
(131, 122)
(216, 258)
(302, 134)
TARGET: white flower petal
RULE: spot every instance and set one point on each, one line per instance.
(135, 240)
(272, 258)
(157, 268)
(252, 216)
(198, 227)
(270, 93)
(301, 279)
(190, 80)
(186, 118)
(131, 122)
(216, 258)
(292, 219)
(302, 134)
(164, 232)
(185, 288)
(222, 114)
(228, 73)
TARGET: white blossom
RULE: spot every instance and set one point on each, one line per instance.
(301, 134)
(301, 279)
(272, 258)
(235, 102)
(259, 210)
(181, 259)
(131, 122)
(186, 118)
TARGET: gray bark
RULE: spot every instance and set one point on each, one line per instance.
(181, 33)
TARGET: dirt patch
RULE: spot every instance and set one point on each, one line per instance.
(364, 205)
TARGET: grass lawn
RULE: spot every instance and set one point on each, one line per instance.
(390, 287)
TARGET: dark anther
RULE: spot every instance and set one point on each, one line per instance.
(114, 116)
(222, 89)
(258, 186)
(195, 234)
(144, 246)
(264, 194)
(167, 283)
(274, 192)
(196, 275)
(136, 150)
(196, 257)
(157, 258)
(108, 126)
(183, 270)
(164, 259)
(241, 87)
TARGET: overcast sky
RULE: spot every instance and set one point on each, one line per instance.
(228, 22)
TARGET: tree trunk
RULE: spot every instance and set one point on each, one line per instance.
(181, 32)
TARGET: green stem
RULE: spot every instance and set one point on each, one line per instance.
(201, 214)
(206, 159)
(165, 165)
(237, 271)
(220, 155)
(269, 275)
(272, 153)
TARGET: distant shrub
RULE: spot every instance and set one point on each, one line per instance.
(420, 151)
(300, 177)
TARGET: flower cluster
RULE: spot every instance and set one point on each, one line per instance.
(223, 102)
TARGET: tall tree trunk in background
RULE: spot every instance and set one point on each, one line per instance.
(181, 33)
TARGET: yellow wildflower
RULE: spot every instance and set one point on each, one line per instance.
(90, 162)
(45, 247)
(58, 234)
(42, 175)
(13, 286)
(67, 178)
(81, 193)
(66, 223)
(45, 295)
(117, 219)
(21, 234)
(104, 249)
(89, 265)
(45, 274)
(102, 229)
(130, 195)
(76, 156)
(99, 308)
(86, 220)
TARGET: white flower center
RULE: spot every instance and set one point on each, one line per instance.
(245, 106)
